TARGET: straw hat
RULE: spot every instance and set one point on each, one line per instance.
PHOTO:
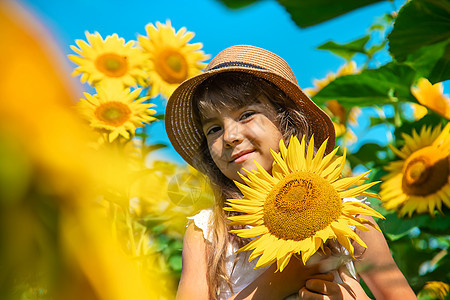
(186, 135)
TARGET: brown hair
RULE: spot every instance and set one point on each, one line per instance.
(230, 90)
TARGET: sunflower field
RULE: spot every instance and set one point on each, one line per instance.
(86, 214)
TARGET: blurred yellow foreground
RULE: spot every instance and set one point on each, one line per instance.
(56, 241)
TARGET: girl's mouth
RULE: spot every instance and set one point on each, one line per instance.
(241, 156)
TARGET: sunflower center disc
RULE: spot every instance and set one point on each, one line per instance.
(300, 205)
(172, 66)
(113, 113)
(112, 65)
(424, 172)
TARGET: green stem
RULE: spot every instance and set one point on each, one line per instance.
(382, 117)
(397, 115)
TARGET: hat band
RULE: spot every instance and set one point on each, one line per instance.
(236, 64)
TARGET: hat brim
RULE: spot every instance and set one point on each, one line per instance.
(186, 137)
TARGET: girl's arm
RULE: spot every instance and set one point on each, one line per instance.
(377, 267)
(193, 283)
(269, 285)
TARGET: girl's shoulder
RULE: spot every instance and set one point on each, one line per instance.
(203, 221)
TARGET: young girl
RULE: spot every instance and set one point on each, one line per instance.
(220, 122)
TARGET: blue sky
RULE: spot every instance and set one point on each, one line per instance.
(265, 24)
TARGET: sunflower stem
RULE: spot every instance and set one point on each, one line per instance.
(397, 115)
(382, 116)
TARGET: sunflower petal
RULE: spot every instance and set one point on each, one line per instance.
(251, 232)
(310, 153)
(319, 156)
(280, 162)
(338, 171)
(345, 183)
(354, 192)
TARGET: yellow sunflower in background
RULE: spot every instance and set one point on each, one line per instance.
(116, 110)
(339, 113)
(347, 69)
(343, 120)
(431, 96)
(299, 207)
(109, 59)
(171, 58)
(420, 182)
(418, 111)
(434, 290)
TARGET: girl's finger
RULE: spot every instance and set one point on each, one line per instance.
(326, 251)
(323, 287)
(305, 294)
(350, 285)
(345, 275)
(326, 277)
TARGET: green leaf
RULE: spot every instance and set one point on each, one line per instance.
(383, 22)
(431, 119)
(419, 23)
(159, 117)
(307, 13)
(441, 70)
(176, 245)
(437, 224)
(155, 147)
(367, 152)
(374, 121)
(347, 51)
(387, 84)
(376, 27)
(236, 4)
(395, 228)
(403, 250)
(375, 48)
(431, 59)
(175, 262)
(441, 272)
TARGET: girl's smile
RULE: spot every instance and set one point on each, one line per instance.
(239, 136)
(240, 156)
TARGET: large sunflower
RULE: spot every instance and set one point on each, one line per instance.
(116, 111)
(109, 59)
(420, 182)
(172, 59)
(299, 207)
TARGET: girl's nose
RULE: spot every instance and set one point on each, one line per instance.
(232, 134)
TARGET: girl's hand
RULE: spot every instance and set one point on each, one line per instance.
(321, 287)
(295, 275)
(279, 285)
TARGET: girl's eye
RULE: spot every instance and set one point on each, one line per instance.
(212, 130)
(247, 115)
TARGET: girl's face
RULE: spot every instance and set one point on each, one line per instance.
(238, 137)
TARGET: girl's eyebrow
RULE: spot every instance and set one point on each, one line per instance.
(208, 120)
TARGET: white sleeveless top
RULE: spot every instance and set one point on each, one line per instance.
(244, 273)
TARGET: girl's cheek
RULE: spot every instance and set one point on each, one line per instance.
(214, 151)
